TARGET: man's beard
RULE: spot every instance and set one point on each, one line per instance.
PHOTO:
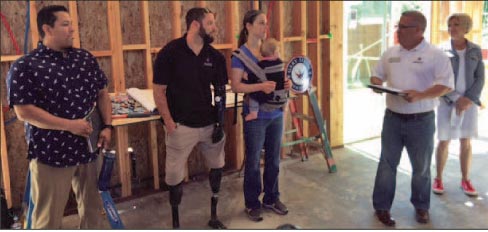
(208, 39)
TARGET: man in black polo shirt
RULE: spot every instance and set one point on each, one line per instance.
(184, 70)
(53, 89)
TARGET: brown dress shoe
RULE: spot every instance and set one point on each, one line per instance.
(422, 215)
(385, 217)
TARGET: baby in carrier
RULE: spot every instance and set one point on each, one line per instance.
(273, 68)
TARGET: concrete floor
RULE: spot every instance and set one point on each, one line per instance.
(320, 200)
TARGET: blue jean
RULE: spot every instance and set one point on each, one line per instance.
(417, 135)
(259, 132)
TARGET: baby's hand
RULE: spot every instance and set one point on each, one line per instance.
(244, 76)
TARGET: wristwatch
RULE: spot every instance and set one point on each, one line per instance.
(107, 126)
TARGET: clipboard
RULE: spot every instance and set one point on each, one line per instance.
(389, 90)
(95, 119)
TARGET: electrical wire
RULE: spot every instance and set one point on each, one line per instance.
(16, 46)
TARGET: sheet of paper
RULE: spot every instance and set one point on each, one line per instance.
(143, 96)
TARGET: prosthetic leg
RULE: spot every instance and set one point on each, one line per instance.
(175, 194)
(215, 177)
(219, 99)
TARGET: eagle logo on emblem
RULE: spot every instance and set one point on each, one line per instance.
(299, 70)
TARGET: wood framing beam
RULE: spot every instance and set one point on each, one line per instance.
(232, 9)
(303, 25)
(73, 12)
(10, 58)
(293, 39)
(115, 33)
(435, 26)
(315, 27)
(313, 48)
(254, 5)
(5, 163)
(300, 30)
(152, 136)
(176, 10)
(122, 143)
(33, 24)
(147, 44)
(336, 75)
(224, 46)
(132, 47)
(101, 53)
(279, 17)
(475, 10)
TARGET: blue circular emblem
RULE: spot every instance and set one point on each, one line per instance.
(299, 70)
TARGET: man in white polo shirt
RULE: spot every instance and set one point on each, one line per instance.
(423, 73)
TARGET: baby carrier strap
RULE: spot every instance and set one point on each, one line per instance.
(274, 69)
(250, 64)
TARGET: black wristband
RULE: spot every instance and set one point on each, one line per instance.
(108, 126)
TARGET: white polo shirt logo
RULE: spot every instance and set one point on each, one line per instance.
(418, 61)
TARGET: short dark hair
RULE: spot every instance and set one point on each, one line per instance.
(46, 16)
(417, 17)
(196, 14)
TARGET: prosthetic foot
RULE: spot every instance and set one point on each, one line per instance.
(215, 177)
(175, 194)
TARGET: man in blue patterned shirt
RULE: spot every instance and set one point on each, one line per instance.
(53, 89)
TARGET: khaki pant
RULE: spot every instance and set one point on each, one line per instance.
(180, 144)
(50, 187)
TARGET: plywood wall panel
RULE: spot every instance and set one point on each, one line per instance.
(289, 19)
(5, 66)
(94, 35)
(242, 8)
(40, 4)
(160, 23)
(220, 10)
(14, 12)
(185, 6)
(312, 19)
(272, 21)
(138, 140)
(131, 21)
(291, 49)
(324, 17)
(134, 69)
(17, 156)
(16, 145)
(106, 66)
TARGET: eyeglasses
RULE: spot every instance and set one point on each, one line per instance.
(400, 26)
